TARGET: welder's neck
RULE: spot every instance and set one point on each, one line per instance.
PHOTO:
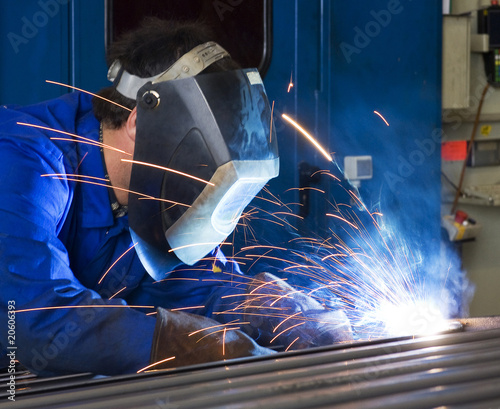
(118, 171)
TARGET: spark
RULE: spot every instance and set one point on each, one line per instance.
(65, 175)
(116, 261)
(343, 219)
(214, 243)
(215, 332)
(262, 247)
(285, 330)
(88, 92)
(106, 183)
(158, 199)
(80, 163)
(271, 124)
(118, 292)
(291, 343)
(267, 283)
(216, 326)
(290, 84)
(168, 170)
(156, 364)
(80, 139)
(308, 136)
(78, 178)
(380, 115)
(287, 295)
(224, 342)
(286, 319)
(84, 306)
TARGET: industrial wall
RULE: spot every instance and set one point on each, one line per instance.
(366, 81)
(472, 111)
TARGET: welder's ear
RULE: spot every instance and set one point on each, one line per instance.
(130, 125)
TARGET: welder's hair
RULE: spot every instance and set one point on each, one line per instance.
(148, 51)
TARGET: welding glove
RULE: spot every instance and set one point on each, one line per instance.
(283, 317)
(194, 339)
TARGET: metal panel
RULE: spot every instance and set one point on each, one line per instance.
(459, 370)
(56, 40)
(456, 61)
(34, 48)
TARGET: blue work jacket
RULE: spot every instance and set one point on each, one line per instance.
(58, 238)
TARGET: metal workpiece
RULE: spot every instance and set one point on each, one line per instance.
(459, 369)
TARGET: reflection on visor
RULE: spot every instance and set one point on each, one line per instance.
(229, 209)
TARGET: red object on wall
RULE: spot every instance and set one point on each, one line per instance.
(456, 150)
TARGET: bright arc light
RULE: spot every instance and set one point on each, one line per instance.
(417, 317)
(308, 136)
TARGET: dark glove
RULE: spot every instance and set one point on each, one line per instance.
(193, 339)
(283, 317)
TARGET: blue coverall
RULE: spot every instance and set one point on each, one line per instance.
(58, 237)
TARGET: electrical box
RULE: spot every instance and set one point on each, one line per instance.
(488, 24)
(485, 153)
(358, 168)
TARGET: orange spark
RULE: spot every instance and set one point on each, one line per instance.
(75, 178)
(90, 93)
(168, 170)
(118, 292)
(224, 342)
(155, 364)
(215, 243)
(291, 343)
(80, 139)
(271, 125)
(308, 136)
(285, 320)
(116, 261)
(84, 156)
(290, 84)
(187, 308)
(262, 247)
(221, 330)
(287, 295)
(287, 329)
(64, 175)
(216, 326)
(344, 220)
(266, 284)
(380, 115)
(85, 306)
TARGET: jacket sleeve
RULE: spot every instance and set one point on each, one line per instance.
(80, 331)
(213, 287)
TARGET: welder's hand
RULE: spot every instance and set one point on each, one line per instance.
(193, 339)
(283, 317)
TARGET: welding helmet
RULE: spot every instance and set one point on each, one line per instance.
(205, 146)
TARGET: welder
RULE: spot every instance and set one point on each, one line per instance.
(110, 232)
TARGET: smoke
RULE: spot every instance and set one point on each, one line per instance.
(388, 281)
